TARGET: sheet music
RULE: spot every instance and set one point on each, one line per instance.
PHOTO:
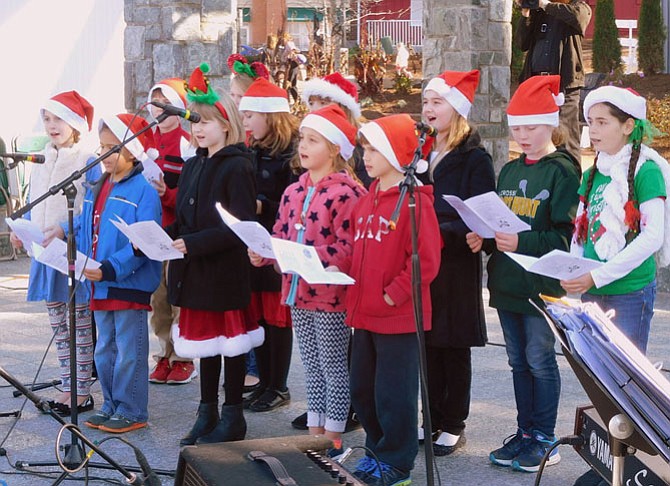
(55, 256)
(556, 264)
(149, 237)
(292, 257)
(251, 233)
(27, 231)
(486, 215)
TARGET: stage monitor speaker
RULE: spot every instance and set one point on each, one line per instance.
(228, 463)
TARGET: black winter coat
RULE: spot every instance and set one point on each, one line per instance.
(214, 274)
(273, 176)
(456, 292)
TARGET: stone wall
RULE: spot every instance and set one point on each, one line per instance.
(461, 35)
(165, 38)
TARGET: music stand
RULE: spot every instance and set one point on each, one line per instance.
(627, 391)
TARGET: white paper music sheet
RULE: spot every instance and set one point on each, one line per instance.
(556, 264)
(292, 257)
(150, 238)
(27, 231)
(55, 256)
(486, 215)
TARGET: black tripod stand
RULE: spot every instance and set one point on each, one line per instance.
(408, 186)
(74, 454)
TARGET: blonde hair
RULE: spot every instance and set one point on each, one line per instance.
(244, 81)
(458, 131)
(282, 132)
(235, 131)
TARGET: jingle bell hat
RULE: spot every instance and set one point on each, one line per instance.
(336, 88)
(199, 89)
(265, 97)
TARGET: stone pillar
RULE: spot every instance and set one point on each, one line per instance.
(460, 35)
(168, 38)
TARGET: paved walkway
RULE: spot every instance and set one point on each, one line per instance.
(24, 338)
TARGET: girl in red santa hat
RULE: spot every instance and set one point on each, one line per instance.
(622, 218)
(460, 166)
(316, 211)
(212, 323)
(540, 187)
(66, 117)
(274, 133)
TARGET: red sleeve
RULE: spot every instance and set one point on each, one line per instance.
(169, 199)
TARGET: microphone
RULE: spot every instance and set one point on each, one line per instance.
(34, 158)
(191, 116)
(427, 129)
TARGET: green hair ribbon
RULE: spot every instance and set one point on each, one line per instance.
(242, 68)
(643, 132)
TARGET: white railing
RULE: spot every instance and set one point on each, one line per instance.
(629, 42)
(406, 31)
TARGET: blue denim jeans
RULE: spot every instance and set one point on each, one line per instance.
(537, 382)
(633, 312)
(121, 359)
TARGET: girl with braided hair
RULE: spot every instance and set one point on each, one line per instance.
(623, 214)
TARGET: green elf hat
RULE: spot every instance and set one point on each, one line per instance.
(199, 89)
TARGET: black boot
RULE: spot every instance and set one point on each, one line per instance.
(232, 426)
(208, 418)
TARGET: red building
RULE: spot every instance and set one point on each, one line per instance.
(623, 10)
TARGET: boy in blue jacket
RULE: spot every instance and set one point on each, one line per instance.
(123, 284)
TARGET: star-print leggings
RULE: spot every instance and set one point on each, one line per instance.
(58, 318)
(323, 340)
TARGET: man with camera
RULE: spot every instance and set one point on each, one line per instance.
(551, 33)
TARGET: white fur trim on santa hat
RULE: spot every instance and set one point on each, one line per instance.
(67, 115)
(122, 132)
(329, 130)
(324, 89)
(454, 97)
(275, 104)
(170, 93)
(537, 119)
(625, 100)
(376, 136)
(220, 345)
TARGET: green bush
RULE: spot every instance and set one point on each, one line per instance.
(651, 34)
(606, 46)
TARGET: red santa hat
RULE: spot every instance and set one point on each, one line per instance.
(265, 97)
(331, 122)
(173, 89)
(73, 109)
(536, 102)
(125, 125)
(395, 137)
(458, 88)
(336, 88)
(626, 99)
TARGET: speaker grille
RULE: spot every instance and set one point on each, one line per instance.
(191, 477)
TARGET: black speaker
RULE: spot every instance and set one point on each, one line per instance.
(228, 463)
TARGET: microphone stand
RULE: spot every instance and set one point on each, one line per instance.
(74, 451)
(408, 186)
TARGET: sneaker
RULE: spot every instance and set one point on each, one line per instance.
(364, 468)
(182, 372)
(96, 420)
(511, 448)
(118, 424)
(529, 459)
(161, 371)
(388, 476)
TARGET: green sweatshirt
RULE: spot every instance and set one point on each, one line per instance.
(544, 195)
